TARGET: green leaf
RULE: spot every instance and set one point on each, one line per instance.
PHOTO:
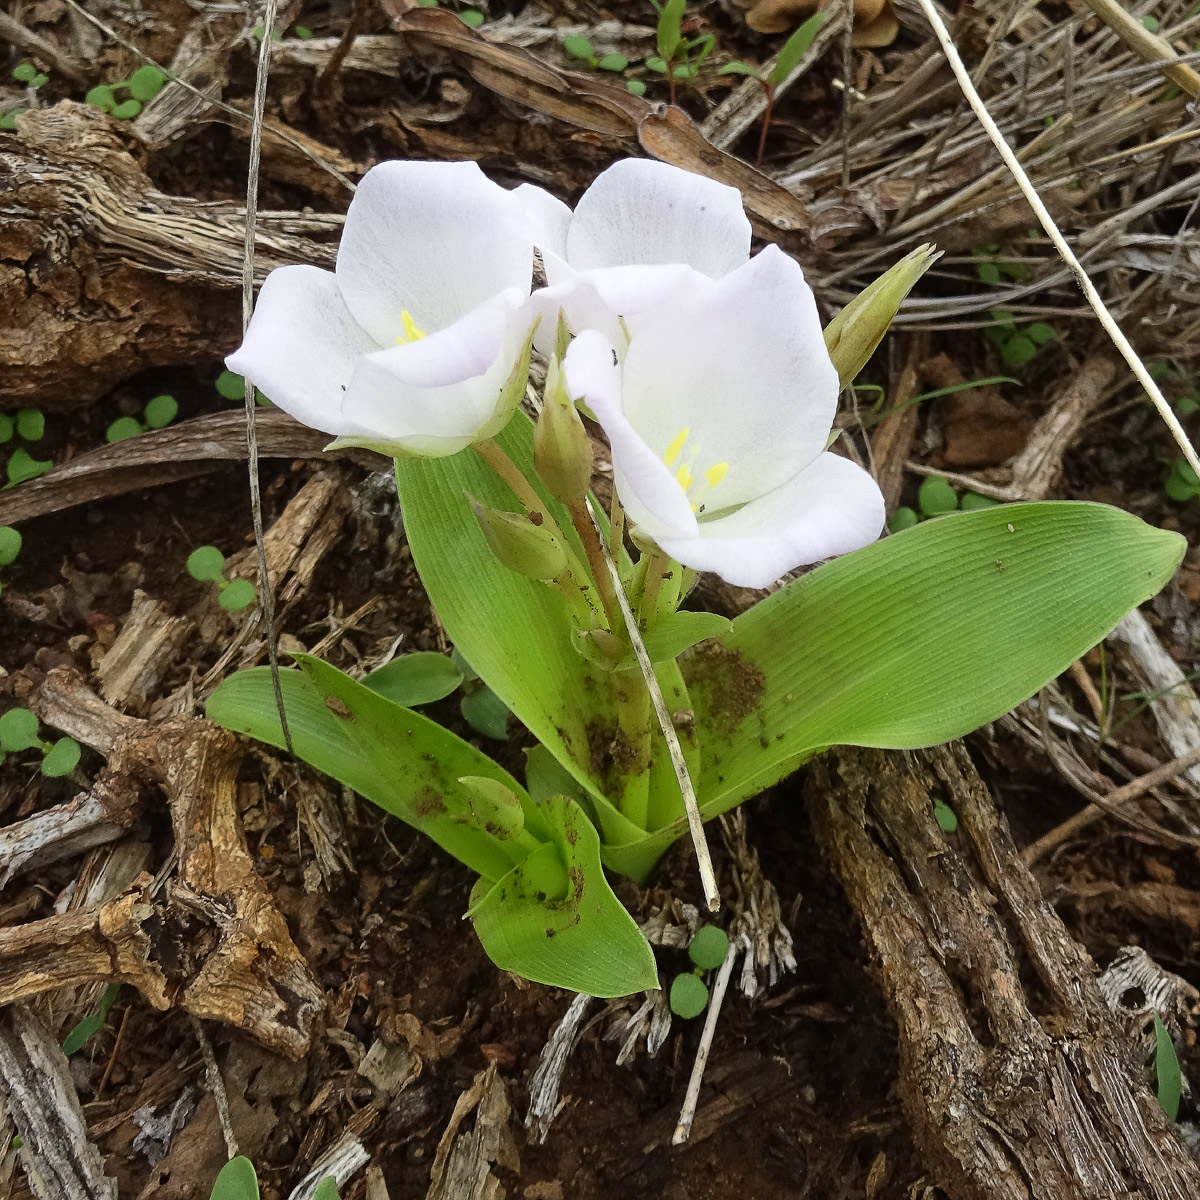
(91, 1025)
(237, 1181)
(238, 595)
(795, 48)
(327, 1189)
(578, 47)
(988, 273)
(554, 918)
(689, 996)
(22, 466)
(1184, 470)
(414, 679)
(917, 639)
(10, 544)
(1166, 1066)
(146, 82)
(668, 34)
(7, 426)
(515, 632)
(945, 816)
(101, 96)
(161, 411)
(973, 500)
(685, 71)
(738, 68)
(935, 497)
(24, 72)
(62, 758)
(485, 712)
(206, 563)
(635, 86)
(471, 18)
(1178, 488)
(656, 64)
(31, 425)
(678, 632)
(303, 33)
(708, 947)
(396, 758)
(1039, 333)
(122, 429)
(1018, 350)
(903, 518)
(231, 386)
(18, 730)
(1187, 405)
(127, 110)
(612, 62)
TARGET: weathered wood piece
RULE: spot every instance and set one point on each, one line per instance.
(60, 1163)
(1014, 1091)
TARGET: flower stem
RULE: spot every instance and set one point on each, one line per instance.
(595, 555)
(654, 598)
(616, 525)
(766, 124)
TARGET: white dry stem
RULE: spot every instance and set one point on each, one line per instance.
(1128, 353)
(546, 1080)
(216, 1085)
(687, 1114)
(343, 1160)
(266, 590)
(708, 879)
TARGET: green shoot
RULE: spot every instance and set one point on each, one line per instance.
(145, 83)
(794, 49)
(903, 518)
(158, 413)
(86, 1029)
(207, 564)
(944, 815)
(689, 996)
(29, 75)
(237, 1181)
(10, 545)
(583, 50)
(19, 731)
(22, 466)
(31, 425)
(1166, 1066)
(708, 947)
(233, 387)
(471, 17)
(1181, 484)
(707, 950)
(302, 33)
(935, 497)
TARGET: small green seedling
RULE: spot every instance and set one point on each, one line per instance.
(1018, 344)
(238, 1180)
(935, 498)
(91, 1025)
(19, 731)
(29, 75)
(583, 50)
(30, 426)
(233, 387)
(207, 564)
(1181, 484)
(788, 59)
(302, 33)
(707, 950)
(10, 545)
(158, 413)
(678, 58)
(944, 815)
(125, 98)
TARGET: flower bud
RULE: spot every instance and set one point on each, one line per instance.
(521, 544)
(562, 450)
(851, 337)
(495, 808)
(600, 647)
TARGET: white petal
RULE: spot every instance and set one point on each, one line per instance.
(434, 239)
(302, 346)
(741, 364)
(434, 395)
(653, 499)
(832, 507)
(548, 217)
(639, 212)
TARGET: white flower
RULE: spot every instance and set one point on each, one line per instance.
(408, 343)
(718, 417)
(642, 234)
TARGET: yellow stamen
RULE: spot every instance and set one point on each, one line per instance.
(412, 331)
(675, 449)
(684, 476)
(716, 473)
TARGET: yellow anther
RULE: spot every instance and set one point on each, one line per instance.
(684, 476)
(675, 449)
(716, 473)
(412, 331)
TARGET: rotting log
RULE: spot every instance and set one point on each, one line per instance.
(1014, 1091)
(103, 276)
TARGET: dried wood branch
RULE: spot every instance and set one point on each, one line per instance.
(1012, 1094)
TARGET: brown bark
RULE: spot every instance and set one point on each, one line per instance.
(1016, 1090)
